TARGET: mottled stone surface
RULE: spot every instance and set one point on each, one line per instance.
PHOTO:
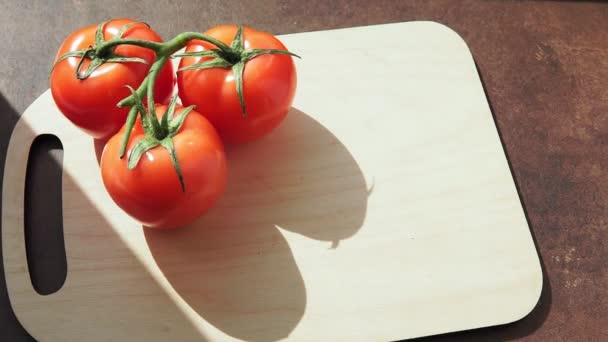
(545, 69)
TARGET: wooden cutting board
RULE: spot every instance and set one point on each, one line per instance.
(383, 208)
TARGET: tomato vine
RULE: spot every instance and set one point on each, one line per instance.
(160, 132)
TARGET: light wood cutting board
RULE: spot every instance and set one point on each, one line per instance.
(383, 208)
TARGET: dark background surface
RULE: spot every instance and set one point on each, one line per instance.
(545, 69)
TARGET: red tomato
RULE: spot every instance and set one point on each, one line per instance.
(151, 192)
(269, 83)
(91, 103)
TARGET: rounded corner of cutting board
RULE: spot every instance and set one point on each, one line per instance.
(520, 309)
(527, 306)
(445, 30)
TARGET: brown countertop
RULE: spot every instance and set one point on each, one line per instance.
(545, 69)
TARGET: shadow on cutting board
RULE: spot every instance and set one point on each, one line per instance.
(9, 326)
(233, 266)
(113, 293)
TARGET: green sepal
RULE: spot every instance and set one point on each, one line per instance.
(235, 60)
(170, 126)
(244, 56)
(120, 59)
(238, 70)
(145, 118)
(124, 29)
(95, 63)
(76, 53)
(125, 102)
(167, 143)
(176, 123)
(79, 66)
(252, 53)
(214, 63)
(164, 122)
(99, 39)
(128, 129)
(142, 146)
(204, 53)
(237, 42)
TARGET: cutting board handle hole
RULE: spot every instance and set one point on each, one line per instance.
(44, 242)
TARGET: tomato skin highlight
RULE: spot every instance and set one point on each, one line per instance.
(269, 84)
(151, 192)
(90, 104)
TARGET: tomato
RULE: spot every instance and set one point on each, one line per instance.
(269, 84)
(151, 192)
(91, 103)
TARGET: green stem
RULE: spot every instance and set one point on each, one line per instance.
(175, 44)
(103, 48)
(145, 88)
(167, 48)
(128, 129)
(163, 52)
(234, 56)
(152, 75)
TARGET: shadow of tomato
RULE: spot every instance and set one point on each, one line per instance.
(233, 266)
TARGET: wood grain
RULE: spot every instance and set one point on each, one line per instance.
(369, 216)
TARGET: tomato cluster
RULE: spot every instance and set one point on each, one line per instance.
(164, 164)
